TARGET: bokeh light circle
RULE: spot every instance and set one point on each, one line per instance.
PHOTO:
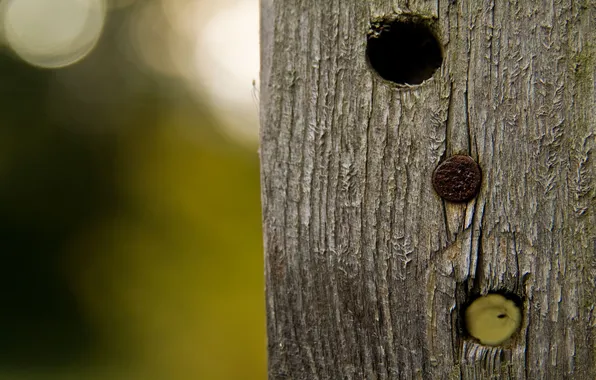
(229, 52)
(53, 33)
(227, 61)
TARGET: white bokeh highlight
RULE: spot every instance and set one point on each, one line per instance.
(52, 33)
(227, 58)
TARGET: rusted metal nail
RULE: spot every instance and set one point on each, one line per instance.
(457, 179)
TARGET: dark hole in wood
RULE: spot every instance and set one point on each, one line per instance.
(404, 51)
(501, 316)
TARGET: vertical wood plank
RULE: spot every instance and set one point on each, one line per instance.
(367, 269)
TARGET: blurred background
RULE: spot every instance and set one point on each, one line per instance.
(130, 240)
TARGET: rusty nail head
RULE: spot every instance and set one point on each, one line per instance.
(457, 179)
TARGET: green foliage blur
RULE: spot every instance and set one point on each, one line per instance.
(130, 241)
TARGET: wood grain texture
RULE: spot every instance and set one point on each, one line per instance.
(367, 269)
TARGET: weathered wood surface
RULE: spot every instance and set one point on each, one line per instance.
(366, 267)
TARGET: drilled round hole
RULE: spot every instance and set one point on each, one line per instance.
(492, 319)
(404, 51)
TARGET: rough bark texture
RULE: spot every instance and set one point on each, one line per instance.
(367, 268)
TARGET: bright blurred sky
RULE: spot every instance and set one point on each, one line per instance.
(213, 46)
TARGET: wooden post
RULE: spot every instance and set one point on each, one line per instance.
(368, 269)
